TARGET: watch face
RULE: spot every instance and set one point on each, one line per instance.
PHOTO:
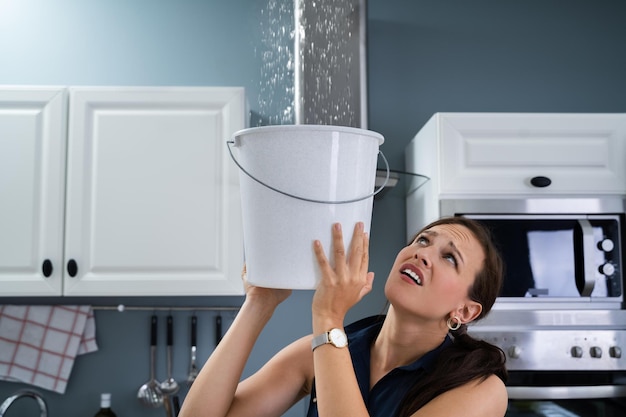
(338, 338)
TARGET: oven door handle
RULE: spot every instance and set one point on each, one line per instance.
(588, 262)
(564, 392)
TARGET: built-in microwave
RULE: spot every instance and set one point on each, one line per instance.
(553, 258)
(559, 257)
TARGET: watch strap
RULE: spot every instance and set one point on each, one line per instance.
(319, 340)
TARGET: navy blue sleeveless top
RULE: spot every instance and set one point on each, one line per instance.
(385, 397)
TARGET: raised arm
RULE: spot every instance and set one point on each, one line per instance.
(215, 391)
(341, 287)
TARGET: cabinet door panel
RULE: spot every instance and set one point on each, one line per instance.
(32, 185)
(153, 199)
(501, 153)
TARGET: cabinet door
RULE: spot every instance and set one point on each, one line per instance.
(502, 152)
(152, 197)
(32, 189)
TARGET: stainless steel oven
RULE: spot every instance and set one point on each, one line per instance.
(560, 317)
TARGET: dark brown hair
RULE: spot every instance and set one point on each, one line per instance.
(467, 359)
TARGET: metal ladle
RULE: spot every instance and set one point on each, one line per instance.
(193, 368)
(150, 393)
(169, 386)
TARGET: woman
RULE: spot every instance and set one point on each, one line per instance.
(403, 364)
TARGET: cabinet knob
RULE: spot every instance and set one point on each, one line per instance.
(540, 182)
(72, 268)
(46, 268)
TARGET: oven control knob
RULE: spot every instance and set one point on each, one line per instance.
(606, 245)
(514, 352)
(615, 352)
(595, 352)
(577, 352)
(607, 269)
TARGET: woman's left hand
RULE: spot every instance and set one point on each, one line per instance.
(348, 282)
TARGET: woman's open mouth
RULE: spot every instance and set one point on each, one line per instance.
(412, 274)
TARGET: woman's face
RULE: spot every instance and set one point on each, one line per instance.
(431, 277)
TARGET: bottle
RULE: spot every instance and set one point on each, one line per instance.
(105, 406)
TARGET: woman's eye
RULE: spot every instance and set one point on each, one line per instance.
(421, 240)
(450, 258)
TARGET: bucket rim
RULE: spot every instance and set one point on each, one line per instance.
(308, 127)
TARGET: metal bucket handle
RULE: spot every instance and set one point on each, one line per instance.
(310, 200)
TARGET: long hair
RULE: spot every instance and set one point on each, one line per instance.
(467, 359)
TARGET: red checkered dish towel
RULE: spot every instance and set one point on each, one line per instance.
(38, 344)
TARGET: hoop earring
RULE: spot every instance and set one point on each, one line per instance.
(454, 326)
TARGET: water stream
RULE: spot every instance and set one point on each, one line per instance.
(312, 60)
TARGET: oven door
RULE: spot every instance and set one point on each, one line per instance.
(592, 407)
(575, 394)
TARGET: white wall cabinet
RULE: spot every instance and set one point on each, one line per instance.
(500, 153)
(146, 191)
(514, 155)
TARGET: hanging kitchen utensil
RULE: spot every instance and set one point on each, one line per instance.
(218, 329)
(193, 368)
(176, 403)
(167, 403)
(169, 386)
(150, 393)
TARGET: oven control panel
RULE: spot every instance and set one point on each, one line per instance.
(560, 350)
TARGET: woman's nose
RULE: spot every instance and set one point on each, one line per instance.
(422, 257)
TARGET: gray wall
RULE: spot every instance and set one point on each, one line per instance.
(424, 57)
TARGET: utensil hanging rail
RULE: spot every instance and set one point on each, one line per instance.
(121, 308)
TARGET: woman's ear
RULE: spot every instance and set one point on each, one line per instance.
(469, 311)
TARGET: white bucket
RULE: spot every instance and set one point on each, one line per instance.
(296, 181)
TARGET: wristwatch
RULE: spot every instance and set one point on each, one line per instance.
(335, 337)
